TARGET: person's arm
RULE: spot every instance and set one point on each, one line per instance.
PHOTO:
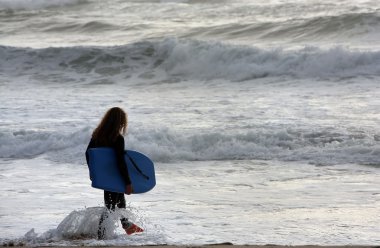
(119, 150)
(90, 145)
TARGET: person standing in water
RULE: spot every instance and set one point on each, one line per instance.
(109, 133)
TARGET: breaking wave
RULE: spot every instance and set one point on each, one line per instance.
(189, 59)
(163, 145)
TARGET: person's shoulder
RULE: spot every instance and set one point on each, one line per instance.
(92, 143)
(119, 142)
(120, 139)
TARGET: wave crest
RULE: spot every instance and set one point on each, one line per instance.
(164, 145)
(189, 59)
(240, 63)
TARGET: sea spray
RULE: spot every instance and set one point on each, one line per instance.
(83, 224)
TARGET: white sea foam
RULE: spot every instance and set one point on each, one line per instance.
(82, 225)
(28, 144)
(197, 203)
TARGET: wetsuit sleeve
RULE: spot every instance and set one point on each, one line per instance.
(90, 145)
(119, 149)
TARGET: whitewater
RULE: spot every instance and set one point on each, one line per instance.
(262, 118)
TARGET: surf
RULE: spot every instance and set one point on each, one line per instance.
(191, 59)
(323, 147)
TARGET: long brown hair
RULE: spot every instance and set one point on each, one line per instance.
(111, 126)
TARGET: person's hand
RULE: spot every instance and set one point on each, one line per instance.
(128, 189)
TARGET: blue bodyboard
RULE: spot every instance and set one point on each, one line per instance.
(105, 174)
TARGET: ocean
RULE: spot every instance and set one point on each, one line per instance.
(262, 118)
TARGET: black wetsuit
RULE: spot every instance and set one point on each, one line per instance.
(113, 199)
